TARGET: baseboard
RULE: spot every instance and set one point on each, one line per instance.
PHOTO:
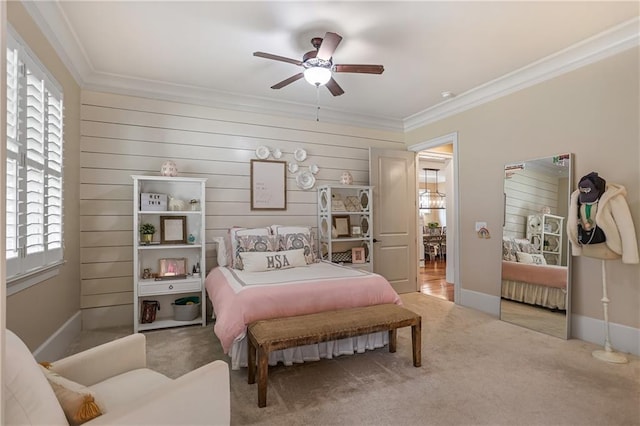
(480, 301)
(623, 338)
(55, 347)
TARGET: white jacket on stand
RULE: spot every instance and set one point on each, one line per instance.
(614, 218)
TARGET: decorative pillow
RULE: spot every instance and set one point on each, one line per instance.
(509, 249)
(29, 400)
(536, 259)
(272, 261)
(248, 244)
(77, 401)
(524, 245)
(223, 251)
(296, 237)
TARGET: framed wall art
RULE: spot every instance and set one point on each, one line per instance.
(173, 230)
(268, 185)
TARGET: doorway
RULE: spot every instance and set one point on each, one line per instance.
(438, 246)
(433, 169)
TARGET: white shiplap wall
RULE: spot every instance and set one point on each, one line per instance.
(123, 135)
(526, 193)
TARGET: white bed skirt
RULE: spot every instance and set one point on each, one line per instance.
(549, 297)
(300, 354)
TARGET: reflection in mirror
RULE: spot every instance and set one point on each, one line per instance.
(535, 255)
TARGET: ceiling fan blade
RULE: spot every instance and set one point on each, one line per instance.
(334, 88)
(277, 58)
(288, 81)
(328, 46)
(366, 69)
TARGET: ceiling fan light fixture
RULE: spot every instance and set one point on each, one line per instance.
(317, 76)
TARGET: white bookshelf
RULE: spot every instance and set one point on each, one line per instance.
(357, 212)
(148, 256)
(546, 234)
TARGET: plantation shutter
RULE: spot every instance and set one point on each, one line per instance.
(34, 227)
(13, 155)
(53, 184)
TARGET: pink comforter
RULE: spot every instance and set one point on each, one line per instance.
(238, 302)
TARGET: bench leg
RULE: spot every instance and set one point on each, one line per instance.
(416, 342)
(251, 361)
(393, 340)
(263, 370)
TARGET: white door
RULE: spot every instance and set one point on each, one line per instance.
(393, 177)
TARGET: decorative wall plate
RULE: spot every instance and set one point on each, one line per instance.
(300, 154)
(277, 153)
(305, 180)
(262, 152)
(314, 168)
(293, 167)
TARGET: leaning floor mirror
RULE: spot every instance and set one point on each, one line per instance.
(535, 289)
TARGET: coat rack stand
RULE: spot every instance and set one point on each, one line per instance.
(607, 354)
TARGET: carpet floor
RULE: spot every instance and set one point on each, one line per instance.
(476, 370)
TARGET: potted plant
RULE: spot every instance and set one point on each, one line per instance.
(147, 230)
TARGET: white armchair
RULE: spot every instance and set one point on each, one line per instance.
(126, 390)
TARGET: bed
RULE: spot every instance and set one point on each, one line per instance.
(240, 297)
(527, 278)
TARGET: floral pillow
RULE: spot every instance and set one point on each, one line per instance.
(298, 241)
(252, 243)
(234, 242)
(296, 237)
(525, 245)
(509, 249)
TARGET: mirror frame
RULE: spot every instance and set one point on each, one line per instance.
(509, 170)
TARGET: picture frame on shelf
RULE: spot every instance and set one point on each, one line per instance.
(356, 231)
(352, 204)
(358, 255)
(173, 230)
(342, 226)
(338, 205)
(146, 274)
(172, 267)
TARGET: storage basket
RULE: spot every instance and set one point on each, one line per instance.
(186, 308)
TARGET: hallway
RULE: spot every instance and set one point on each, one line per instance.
(432, 280)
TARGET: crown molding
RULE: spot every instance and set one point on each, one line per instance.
(233, 101)
(590, 50)
(51, 20)
(53, 23)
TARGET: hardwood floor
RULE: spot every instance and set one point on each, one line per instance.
(433, 281)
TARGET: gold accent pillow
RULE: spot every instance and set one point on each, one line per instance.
(77, 401)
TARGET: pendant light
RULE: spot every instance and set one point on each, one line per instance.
(432, 199)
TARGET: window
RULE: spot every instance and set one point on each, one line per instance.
(34, 165)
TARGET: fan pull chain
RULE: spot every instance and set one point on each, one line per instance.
(317, 102)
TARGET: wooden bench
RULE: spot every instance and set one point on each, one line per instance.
(280, 333)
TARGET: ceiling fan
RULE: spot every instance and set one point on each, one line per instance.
(318, 65)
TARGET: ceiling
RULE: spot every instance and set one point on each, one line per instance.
(203, 50)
